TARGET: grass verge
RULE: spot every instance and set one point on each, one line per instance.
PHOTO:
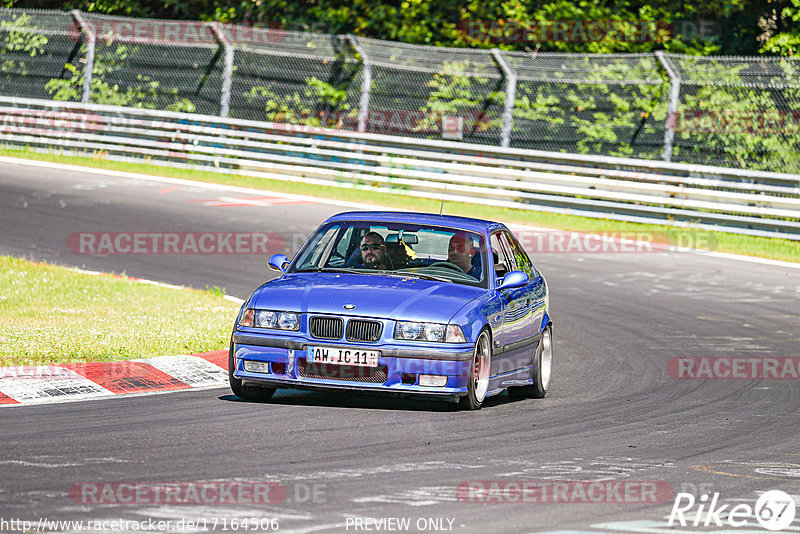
(770, 248)
(51, 315)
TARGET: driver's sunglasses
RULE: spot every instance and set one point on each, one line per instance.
(371, 246)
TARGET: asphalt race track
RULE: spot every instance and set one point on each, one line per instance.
(348, 463)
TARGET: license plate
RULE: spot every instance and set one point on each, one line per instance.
(343, 356)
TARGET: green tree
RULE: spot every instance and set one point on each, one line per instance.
(109, 58)
(786, 40)
(317, 104)
(21, 40)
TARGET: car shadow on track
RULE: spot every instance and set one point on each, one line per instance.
(360, 400)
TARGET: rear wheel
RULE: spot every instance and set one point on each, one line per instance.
(540, 373)
(251, 393)
(478, 384)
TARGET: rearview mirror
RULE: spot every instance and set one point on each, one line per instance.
(513, 280)
(278, 262)
(408, 239)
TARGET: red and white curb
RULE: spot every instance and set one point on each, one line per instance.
(40, 384)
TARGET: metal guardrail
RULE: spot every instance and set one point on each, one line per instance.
(734, 200)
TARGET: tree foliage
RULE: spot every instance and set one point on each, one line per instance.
(785, 40)
(728, 27)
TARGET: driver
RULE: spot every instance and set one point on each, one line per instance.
(460, 252)
(373, 251)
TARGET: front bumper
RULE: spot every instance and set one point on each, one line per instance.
(399, 366)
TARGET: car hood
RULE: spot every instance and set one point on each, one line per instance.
(377, 296)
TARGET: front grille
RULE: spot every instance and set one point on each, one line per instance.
(326, 327)
(278, 368)
(358, 330)
(350, 373)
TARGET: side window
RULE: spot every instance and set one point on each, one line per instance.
(503, 257)
(520, 257)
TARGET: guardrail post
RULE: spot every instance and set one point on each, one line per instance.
(366, 85)
(90, 45)
(227, 74)
(672, 110)
(511, 95)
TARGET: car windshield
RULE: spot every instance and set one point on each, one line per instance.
(396, 249)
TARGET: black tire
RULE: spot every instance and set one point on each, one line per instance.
(251, 393)
(478, 383)
(540, 372)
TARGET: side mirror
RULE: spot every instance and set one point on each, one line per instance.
(278, 262)
(513, 280)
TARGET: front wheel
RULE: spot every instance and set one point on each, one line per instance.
(542, 368)
(246, 392)
(478, 384)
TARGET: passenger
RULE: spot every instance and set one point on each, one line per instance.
(460, 251)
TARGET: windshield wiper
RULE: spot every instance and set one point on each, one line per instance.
(406, 274)
(401, 274)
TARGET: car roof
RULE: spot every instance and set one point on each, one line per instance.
(453, 221)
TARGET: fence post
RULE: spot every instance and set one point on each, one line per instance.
(511, 95)
(227, 75)
(672, 110)
(90, 44)
(366, 85)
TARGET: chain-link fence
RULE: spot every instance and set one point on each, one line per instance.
(160, 64)
(431, 92)
(728, 111)
(289, 77)
(38, 51)
(599, 104)
(737, 112)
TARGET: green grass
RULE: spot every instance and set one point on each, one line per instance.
(50, 315)
(771, 248)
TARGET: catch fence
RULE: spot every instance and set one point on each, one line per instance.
(740, 112)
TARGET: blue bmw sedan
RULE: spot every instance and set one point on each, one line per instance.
(409, 303)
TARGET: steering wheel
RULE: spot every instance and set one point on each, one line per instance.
(448, 265)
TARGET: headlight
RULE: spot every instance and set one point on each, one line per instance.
(288, 321)
(412, 331)
(271, 319)
(434, 332)
(266, 319)
(409, 331)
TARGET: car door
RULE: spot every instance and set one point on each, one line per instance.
(512, 343)
(536, 293)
